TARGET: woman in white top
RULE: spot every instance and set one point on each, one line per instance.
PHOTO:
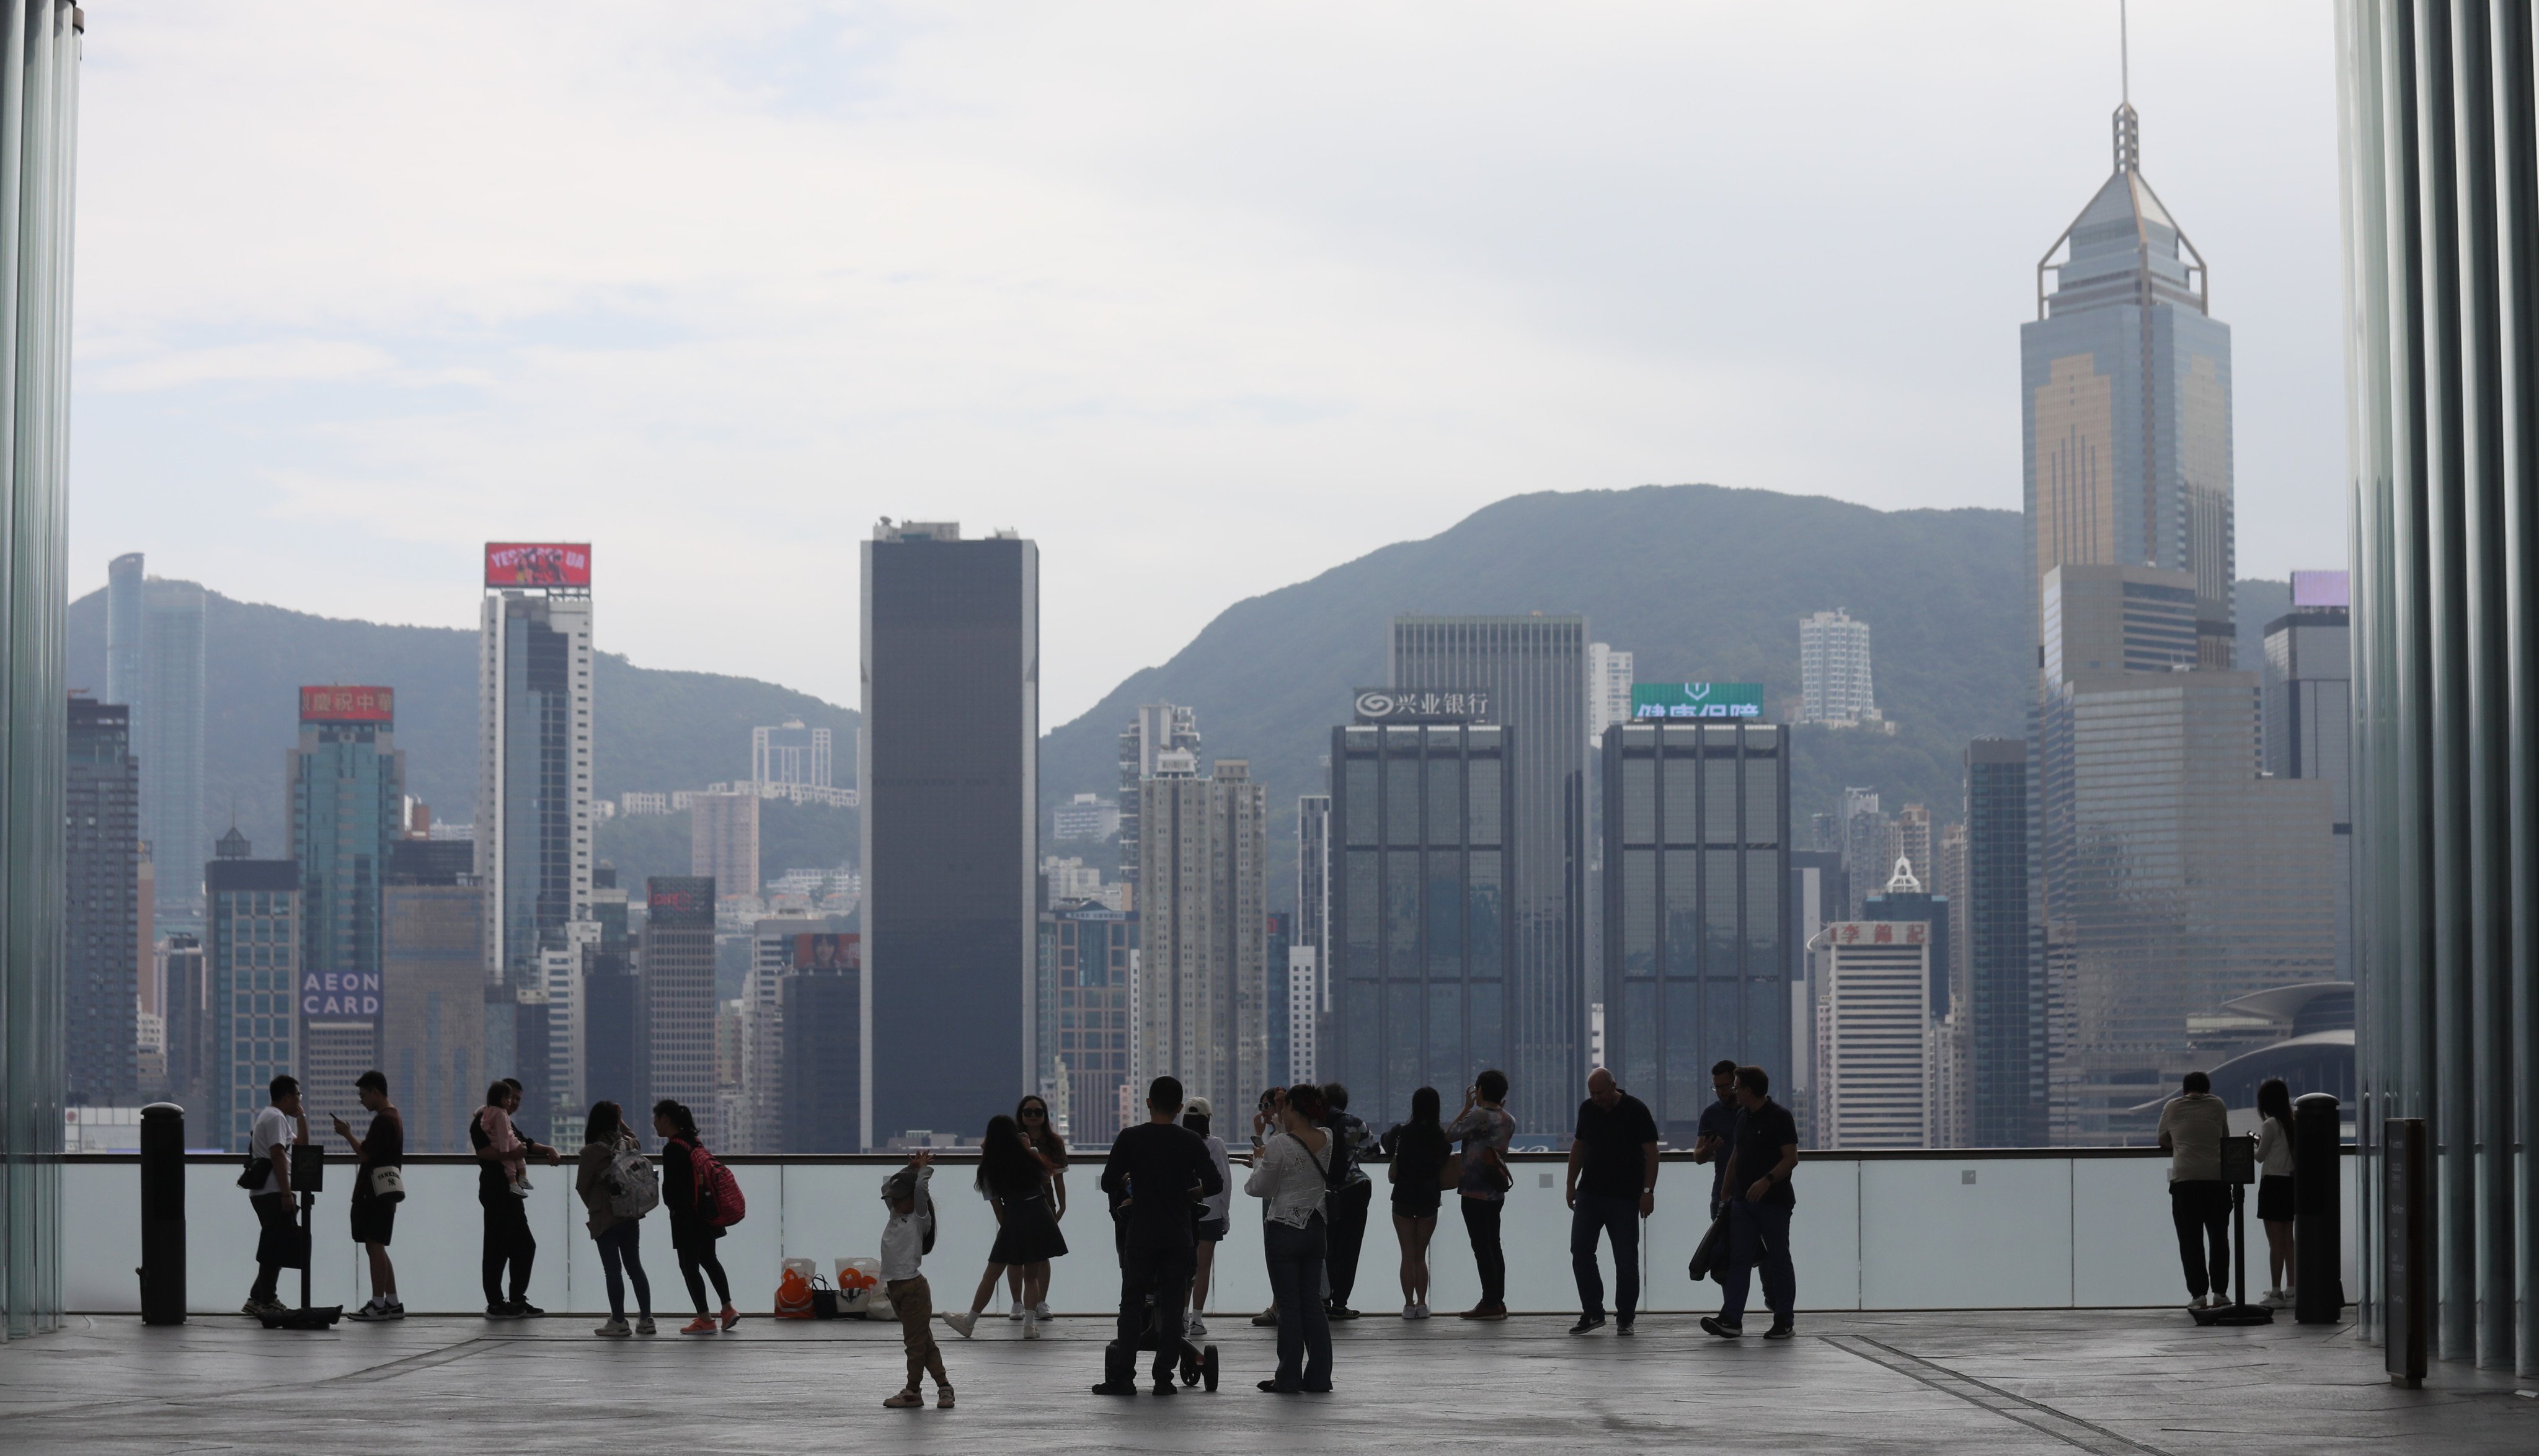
(1293, 1172)
(1197, 1114)
(2275, 1188)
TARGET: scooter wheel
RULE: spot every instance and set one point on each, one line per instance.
(1189, 1365)
(1207, 1367)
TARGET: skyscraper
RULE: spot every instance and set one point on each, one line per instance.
(2125, 398)
(1834, 680)
(1156, 728)
(950, 772)
(347, 804)
(790, 753)
(677, 1011)
(1697, 960)
(1533, 670)
(533, 815)
(1610, 676)
(723, 840)
(1874, 1036)
(253, 933)
(2309, 718)
(100, 940)
(2003, 1022)
(154, 666)
(1091, 947)
(819, 1071)
(432, 1006)
(187, 1038)
(1864, 861)
(1203, 1009)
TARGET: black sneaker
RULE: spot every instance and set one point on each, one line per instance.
(524, 1310)
(1587, 1322)
(1783, 1329)
(1622, 1327)
(500, 1311)
(1107, 1388)
(1164, 1385)
(1713, 1324)
(1274, 1388)
(1339, 1311)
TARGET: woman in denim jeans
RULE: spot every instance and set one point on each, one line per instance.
(1292, 1174)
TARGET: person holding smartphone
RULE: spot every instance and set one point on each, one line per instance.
(374, 1217)
(1485, 1128)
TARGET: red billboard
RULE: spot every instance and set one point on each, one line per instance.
(537, 564)
(339, 704)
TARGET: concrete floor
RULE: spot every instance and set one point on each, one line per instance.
(2128, 1381)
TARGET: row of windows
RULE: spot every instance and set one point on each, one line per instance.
(1410, 912)
(1438, 800)
(1700, 800)
(1683, 914)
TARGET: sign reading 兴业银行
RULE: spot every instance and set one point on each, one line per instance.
(1697, 699)
(1424, 706)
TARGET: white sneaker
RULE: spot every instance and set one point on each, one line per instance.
(1410, 1310)
(1042, 1309)
(1031, 1325)
(1017, 1311)
(962, 1324)
(1198, 1328)
(615, 1329)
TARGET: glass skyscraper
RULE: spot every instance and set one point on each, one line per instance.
(253, 941)
(533, 815)
(155, 667)
(1533, 669)
(2310, 717)
(1422, 923)
(347, 812)
(2002, 1026)
(1698, 956)
(101, 939)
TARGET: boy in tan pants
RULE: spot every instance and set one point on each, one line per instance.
(905, 1240)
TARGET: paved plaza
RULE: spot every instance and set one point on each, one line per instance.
(2124, 1381)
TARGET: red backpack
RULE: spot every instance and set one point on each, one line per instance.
(719, 1199)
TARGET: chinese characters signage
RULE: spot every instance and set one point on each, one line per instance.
(537, 564)
(1878, 932)
(347, 704)
(1422, 706)
(1696, 700)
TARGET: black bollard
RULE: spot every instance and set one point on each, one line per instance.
(162, 1215)
(2318, 1217)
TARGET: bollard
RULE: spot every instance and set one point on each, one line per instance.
(2318, 1216)
(2406, 1248)
(162, 1215)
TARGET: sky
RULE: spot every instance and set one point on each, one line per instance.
(1206, 299)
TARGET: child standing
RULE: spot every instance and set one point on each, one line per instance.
(904, 1242)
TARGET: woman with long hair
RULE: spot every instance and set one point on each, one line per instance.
(1198, 1115)
(1032, 1114)
(692, 1236)
(2275, 1188)
(1014, 1177)
(1293, 1174)
(1419, 1154)
(604, 1138)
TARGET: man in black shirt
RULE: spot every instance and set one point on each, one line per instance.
(1156, 1172)
(1760, 1157)
(1612, 1184)
(1717, 1127)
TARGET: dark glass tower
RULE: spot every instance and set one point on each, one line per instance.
(1422, 923)
(1698, 953)
(347, 806)
(100, 944)
(951, 763)
(2003, 1022)
(1534, 670)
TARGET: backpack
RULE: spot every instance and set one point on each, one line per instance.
(633, 1188)
(718, 1192)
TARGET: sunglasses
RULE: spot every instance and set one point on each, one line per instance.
(1034, 1112)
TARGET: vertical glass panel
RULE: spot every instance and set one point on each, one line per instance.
(1446, 913)
(1402, 1045)
(1446, 1067)
(1719, 913)
(1763, 928)
(1401, 801)
(1361, 1033)
(1482, 898)
(1488, 1049)
(1639, 801)
(1639, 912)
(1762, 800)
(1445, 800)
(1719, 782)
(1361, 794)
(1723, 1027)
(1683, 813)
(1401, 913)
(1637, 1031)
(1687, 1071)
(1365, 914)
(1484, 801)
(1767, 1021)
(1682, 913)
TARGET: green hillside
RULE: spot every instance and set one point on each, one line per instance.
(656, 730)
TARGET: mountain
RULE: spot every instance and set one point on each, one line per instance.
(654, 730)
(1701, 582)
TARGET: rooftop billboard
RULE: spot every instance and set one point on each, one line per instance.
(537, 564)
(340, 705)
(2314, 589)
(1422, 706)
(1696, 700)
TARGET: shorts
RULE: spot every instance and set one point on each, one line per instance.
(373, 1221)
(1211, 1231)
(2275, 1198)
(1414, 1203)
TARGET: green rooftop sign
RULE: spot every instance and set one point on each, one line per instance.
(1696, 700)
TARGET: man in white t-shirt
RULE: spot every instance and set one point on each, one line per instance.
(276, 1130)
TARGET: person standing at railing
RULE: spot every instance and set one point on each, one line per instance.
(2275, 1188)
(1013, 1178)
(271, 1136)
(1348, 1210)
(1032, 1114)
(2191, 1129)
(375, 1217)
(1485, 1128)
(502, 1191)
(1761, 1156)
(1297, 1172)
(1612, 1185)
(605, 1142)
(1419, 1153)
(693, 1234)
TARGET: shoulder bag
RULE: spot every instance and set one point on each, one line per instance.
(386, 1183)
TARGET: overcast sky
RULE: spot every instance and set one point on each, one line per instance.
(1206, 299)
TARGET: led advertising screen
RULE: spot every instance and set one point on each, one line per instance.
(1696, 700)
(537, 564)
(817, 952)
(341, 705)
(2321, 589)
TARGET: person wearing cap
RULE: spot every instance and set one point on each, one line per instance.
(1197, 1114)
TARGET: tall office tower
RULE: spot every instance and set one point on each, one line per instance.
(1905, 898)
(1309, 946)
(1874, 1036)
(255, 933)
(186, 1033)
(432, 1006)
(1091, 949)
(676, 1008)
(1697, 962)
(951, 774)
(2003, 1021)
(123, 630)
(1085, 816)
(1533, 671)
(1834, 681)
(723, 841)
(1156, 729)
(1609, 691)
(1948, 882)
(1422, 986)
(101, 942)
(2125, 398)
(1279, 941)
(154, 665)
(533, 814)
(790, 753)
(1819, 895)
(1202, 1009)
(1865, 860)
(2309, 718)
(821, 1003)
(2176, 877)
(347, 808)
(1911, 840)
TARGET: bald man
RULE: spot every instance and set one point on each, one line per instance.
(1612, 1185)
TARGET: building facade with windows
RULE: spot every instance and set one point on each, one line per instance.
(252, 943)
(1877, 1074)
(1834, 678)
(533, 805)
(431, 1007)
(2309, 677)
(347, 810)
(1202, 1009)
(1090, 948)
(2003, 1025)
(102, 936)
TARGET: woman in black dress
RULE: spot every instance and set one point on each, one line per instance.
(1419, 1153)
(692, 1237)
(1014, 1177)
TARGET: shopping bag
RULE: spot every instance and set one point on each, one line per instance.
(859, 1290)
(793, 1290)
